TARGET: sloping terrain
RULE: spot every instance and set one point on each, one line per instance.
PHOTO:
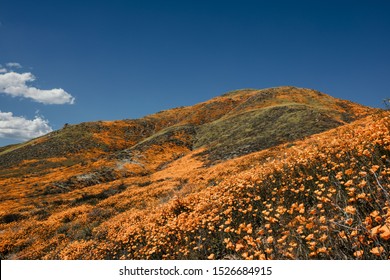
(249, 174)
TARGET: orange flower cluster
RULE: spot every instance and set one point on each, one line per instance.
(317, 200)
(325, 197)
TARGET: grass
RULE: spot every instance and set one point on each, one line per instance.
(260, 129)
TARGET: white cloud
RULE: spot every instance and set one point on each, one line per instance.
(14, 65)
(14, 84)
(14, 127)
(3, 70)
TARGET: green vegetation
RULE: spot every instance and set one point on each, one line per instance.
(260, 129)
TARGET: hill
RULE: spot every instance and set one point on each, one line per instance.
(276, 173)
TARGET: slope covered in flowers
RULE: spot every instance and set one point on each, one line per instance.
(158, 188)
(323, 198)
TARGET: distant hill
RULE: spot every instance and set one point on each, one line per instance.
(250, 174)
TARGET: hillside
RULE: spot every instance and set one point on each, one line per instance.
(276, 173)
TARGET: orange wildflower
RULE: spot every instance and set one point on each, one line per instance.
(270, 239)
(239, 246)
(358, 254)
(377, 250)
(374, 168)
(385, 232)
(350, 210)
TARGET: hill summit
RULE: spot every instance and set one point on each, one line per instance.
(276, 173)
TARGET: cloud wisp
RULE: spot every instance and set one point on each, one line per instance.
(15, 85)
(13, 65)
(14, 127)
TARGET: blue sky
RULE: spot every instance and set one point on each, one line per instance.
(76, 61)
